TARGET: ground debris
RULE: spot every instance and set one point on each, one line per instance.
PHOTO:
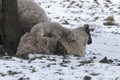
(87, 78)
(106, 60)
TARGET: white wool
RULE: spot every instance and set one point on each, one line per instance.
(30, 14)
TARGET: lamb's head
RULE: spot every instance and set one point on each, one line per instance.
(83, 35)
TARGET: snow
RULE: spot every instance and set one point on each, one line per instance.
(106, 43)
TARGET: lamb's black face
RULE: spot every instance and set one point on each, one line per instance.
(89, 40)
(88, 32)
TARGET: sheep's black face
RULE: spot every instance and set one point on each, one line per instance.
(88, 32)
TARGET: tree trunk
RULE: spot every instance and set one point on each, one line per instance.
(0, 13)
(1, 47)
(11, 30)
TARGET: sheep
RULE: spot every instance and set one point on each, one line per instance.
(53, 38)
(30, 14)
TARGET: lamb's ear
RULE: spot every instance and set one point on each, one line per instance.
(86, 27)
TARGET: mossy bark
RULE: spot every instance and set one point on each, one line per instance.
(11, 32)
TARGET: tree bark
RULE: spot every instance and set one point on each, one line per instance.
(1, 47)
(11, 30)
(0, 13)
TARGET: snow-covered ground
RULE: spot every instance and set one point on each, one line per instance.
(102, 61)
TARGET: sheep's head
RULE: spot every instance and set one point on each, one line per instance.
(83, 35)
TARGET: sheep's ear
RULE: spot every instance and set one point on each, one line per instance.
(86, 27)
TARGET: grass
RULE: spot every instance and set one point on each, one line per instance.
(109, 21)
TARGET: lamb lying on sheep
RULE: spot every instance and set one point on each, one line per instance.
(52, 38)
(30, 14)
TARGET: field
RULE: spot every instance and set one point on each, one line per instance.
(102, 60)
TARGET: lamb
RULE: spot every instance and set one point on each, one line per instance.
(43, 38)
(30, 14)
(52, 38)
